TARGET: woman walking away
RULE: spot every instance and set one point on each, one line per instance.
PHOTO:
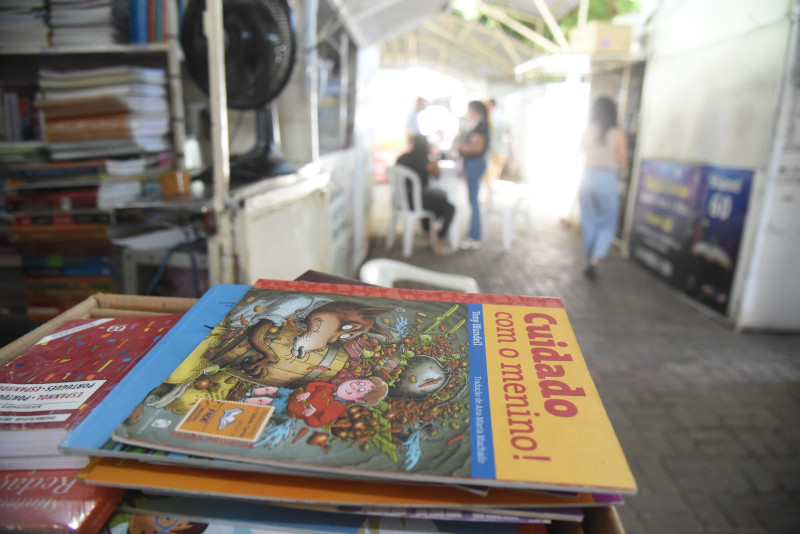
(473, 147)
(605, 154)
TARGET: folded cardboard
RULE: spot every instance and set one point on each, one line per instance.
(601, 38)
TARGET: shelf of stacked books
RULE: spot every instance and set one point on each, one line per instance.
(35, 26)
(317, 405)
(92, 113)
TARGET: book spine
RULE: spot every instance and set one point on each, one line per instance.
(27, 118)
(151, 21)
(3, 115)
(64, 259)
(138, 21)
(86, 270)
(62, 219)
(159, 24)
(62, 200)
(50, 233)
(86, 128)
(56, 172)
(13, 121)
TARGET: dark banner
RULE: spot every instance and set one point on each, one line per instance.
(664, 218)
(687, 226)
(725, 197)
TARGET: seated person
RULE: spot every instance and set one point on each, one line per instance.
(434, 200)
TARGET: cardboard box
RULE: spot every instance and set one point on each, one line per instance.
(601, 38)
(98, 306)
(602, 520)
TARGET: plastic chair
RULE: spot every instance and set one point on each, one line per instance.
(510, 201)
(402, 210)
(387, 272)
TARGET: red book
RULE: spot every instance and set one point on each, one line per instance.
(47, 390)
(151, 21)
(53, 500)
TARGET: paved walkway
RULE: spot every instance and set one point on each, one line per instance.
(709, 418)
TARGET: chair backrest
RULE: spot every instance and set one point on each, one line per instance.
(387, 272)
(399, 176)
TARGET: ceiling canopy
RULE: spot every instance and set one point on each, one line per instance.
(485, 39)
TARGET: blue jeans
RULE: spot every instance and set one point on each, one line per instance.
(599, 208)
(474, 169)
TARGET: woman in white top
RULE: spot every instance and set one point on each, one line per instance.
(605, 154)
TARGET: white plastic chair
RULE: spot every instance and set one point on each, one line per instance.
(387, 272)
(510, 201)
(408, 213)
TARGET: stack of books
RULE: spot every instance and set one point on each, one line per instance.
(349, 406)
(51, 380)
(82, 22)
(60, 233)
(22, 25)
(110, 111)
(19, 120)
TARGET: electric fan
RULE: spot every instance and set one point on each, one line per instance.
(260, 47)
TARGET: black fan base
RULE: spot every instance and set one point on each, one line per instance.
(246, 173)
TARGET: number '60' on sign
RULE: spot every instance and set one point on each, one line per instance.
(720, 206)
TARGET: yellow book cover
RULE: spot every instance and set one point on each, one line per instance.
(376, 383)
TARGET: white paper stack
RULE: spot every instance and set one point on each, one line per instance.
(22, 24)
(112, 111)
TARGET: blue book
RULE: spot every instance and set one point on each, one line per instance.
(90, 437)
(137, 30)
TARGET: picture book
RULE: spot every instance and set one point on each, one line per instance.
(318, 491)
(48, 389)
(376, 383)
(244, 514)
(54, 500)
(123, 523)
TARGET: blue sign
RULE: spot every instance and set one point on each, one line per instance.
(725, 196)
(664, 218)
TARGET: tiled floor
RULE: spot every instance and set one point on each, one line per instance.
(709, 418)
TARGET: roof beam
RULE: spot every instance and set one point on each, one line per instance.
(478, 52)
(505, 42)
(552, 23)
(524, 16)
(466, 30)
(501, 17)
(583, 13)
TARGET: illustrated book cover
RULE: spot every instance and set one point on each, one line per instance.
(51, 387)
(376, 383)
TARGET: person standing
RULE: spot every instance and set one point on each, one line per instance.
(472, 148)
(412, 124)
(605, 154)
(498, 143)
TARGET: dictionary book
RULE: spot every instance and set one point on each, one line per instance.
(51, 387)
(372, 383)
